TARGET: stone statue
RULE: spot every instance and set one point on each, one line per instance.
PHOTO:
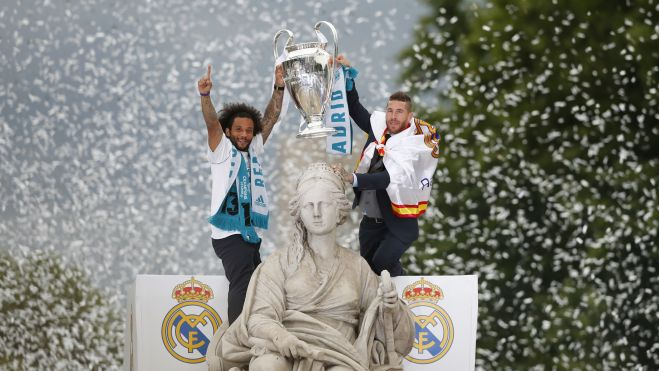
(316, 305)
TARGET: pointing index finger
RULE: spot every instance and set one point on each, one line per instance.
(209, 72)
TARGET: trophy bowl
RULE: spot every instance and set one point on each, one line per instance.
(308, 75)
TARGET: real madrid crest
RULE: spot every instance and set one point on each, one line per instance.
(433, 326)
(189, 326)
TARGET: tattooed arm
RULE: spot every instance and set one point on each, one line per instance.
(273, 109)
(208, 110)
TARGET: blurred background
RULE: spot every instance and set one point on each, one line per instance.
(546, 186)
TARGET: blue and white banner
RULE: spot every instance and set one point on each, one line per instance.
(338, 117)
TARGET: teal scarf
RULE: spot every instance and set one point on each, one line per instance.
(234, 214)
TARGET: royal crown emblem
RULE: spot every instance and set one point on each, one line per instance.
(423, 290)
(433, 325)
(192, 290)
(188, 327)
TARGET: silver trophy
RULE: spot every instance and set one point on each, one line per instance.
(309, 77)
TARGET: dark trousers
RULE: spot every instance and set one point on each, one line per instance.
(381, 249)
(240, 259)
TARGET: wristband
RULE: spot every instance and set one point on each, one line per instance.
(280, 88)
(205, 95)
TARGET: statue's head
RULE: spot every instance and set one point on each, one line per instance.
(319, 204)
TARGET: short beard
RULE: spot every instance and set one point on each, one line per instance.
(236, 144)
(401, 128)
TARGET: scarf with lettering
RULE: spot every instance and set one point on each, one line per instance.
(246, 204)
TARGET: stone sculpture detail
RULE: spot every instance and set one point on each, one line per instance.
(315, 305)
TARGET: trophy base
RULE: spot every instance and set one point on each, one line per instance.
(316, 133)
(315, 129)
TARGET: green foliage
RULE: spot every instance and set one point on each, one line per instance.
(54, 318)
(547, 184)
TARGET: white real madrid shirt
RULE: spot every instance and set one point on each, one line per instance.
(221, 183)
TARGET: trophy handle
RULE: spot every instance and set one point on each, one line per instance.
(321, 37)
(288, 42)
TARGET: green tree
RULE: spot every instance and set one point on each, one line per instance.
(54, 318)
(547, 185)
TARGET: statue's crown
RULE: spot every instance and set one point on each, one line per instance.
(422, 290)
(192, 290)
(318, 171)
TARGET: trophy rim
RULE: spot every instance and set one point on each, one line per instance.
(316, 133)
(307, 45)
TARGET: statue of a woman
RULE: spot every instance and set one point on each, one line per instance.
(316, 305)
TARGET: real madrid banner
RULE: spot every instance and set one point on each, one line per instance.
(171, 320)
(445, 314)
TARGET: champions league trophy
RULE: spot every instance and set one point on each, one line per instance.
(309, 77)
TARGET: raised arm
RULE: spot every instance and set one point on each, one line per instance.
(204, 85)
(359, 114)
(273, 109)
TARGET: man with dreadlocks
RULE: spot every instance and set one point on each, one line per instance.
(239, 202)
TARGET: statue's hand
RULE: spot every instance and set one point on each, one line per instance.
(388, 291)
(290, 346)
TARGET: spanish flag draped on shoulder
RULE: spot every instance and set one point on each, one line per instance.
(410, 157)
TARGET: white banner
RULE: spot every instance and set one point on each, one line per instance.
(445, 310)
(171, 320)
(338, 117)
